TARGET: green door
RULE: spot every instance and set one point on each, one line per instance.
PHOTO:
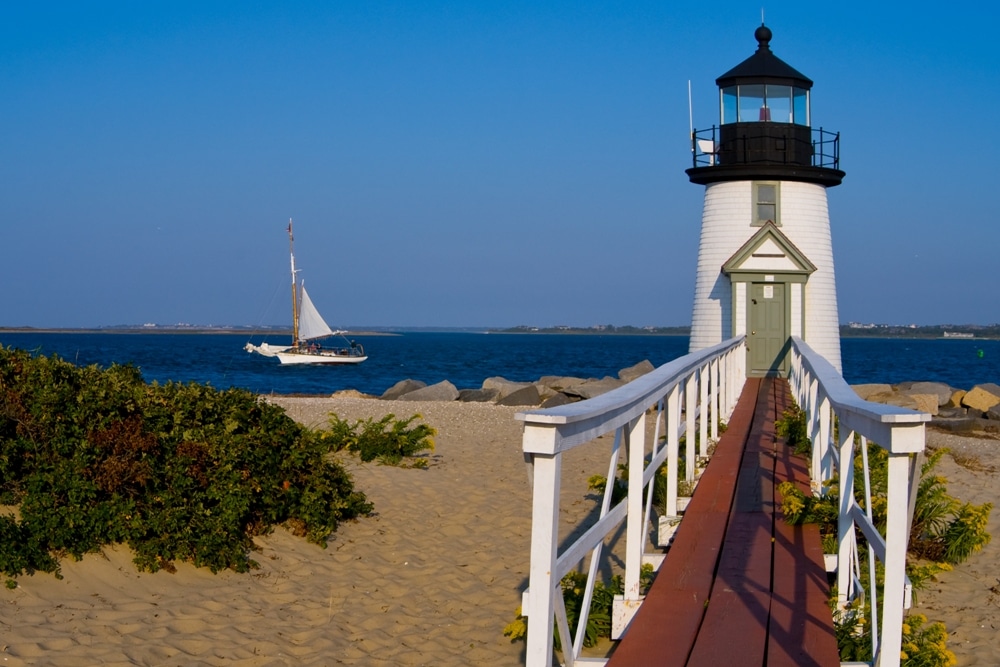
(767, 344)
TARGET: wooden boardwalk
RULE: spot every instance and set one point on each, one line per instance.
(739, 586)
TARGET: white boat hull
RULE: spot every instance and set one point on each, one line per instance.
(322, 358)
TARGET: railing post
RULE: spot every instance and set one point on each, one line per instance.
(896, 538)
(539, 606)
(625, 607)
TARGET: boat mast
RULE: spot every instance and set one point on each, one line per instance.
(295, 292)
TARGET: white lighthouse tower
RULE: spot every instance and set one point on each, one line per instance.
(765, 261)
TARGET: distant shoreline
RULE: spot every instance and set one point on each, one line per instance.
(964, 333)
(180, 330)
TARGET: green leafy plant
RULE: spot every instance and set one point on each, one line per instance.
(573, 587)
(598, 483)
(387, 440)
(178, 472)
(925, 644)
(793, 428)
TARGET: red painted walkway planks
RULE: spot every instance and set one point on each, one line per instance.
(739, 585)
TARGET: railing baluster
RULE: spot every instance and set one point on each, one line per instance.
(845, 524)
(672, 454)
(871, 552)
(703, 411)
(715, 400)
(689, 438)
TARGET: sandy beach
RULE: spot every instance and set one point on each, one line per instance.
(430, 580)
(967, 599)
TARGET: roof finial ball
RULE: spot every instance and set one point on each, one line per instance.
(763, 37)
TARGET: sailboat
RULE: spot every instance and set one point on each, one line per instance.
(308, 329)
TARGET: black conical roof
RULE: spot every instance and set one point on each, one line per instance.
(764, 67)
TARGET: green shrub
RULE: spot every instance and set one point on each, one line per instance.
(387, 440)
(176, 471)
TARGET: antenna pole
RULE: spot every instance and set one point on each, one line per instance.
(690, 116)
(295, 292)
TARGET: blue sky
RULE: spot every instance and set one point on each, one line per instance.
(466, 164)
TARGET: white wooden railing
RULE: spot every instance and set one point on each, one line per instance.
(710, 382)
(825, 397)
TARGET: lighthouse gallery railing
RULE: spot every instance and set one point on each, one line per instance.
(835, 414)
(707, 385)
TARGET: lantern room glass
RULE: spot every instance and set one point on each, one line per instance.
(758, 102)
(800, 106)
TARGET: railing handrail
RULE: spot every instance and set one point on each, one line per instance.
(578, 423)
(845, 399)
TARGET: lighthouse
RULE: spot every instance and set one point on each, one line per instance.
(765, 259)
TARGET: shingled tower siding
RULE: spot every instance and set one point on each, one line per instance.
(726, 225)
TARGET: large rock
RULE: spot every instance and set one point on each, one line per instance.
(928, 403)
(350, 393)
(503, 386)
(545, 391)
(918, 402)
(982, 397)
(960, 424)
(884, 397)
(897, 399)
(402, 387)
(559, 382)
(442, 391)
(556, 400)
(993, 413)
(632, 372)
(478, 395)
(523, 396)
(939, 389)
(956, 398)
(866, 390)
(590, 388)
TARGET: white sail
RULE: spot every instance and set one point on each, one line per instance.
(311, 323)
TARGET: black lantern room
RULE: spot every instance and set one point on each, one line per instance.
(765, 127)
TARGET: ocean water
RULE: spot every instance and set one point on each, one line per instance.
(466, 359)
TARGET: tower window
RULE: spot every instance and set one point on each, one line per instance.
(765, 203)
